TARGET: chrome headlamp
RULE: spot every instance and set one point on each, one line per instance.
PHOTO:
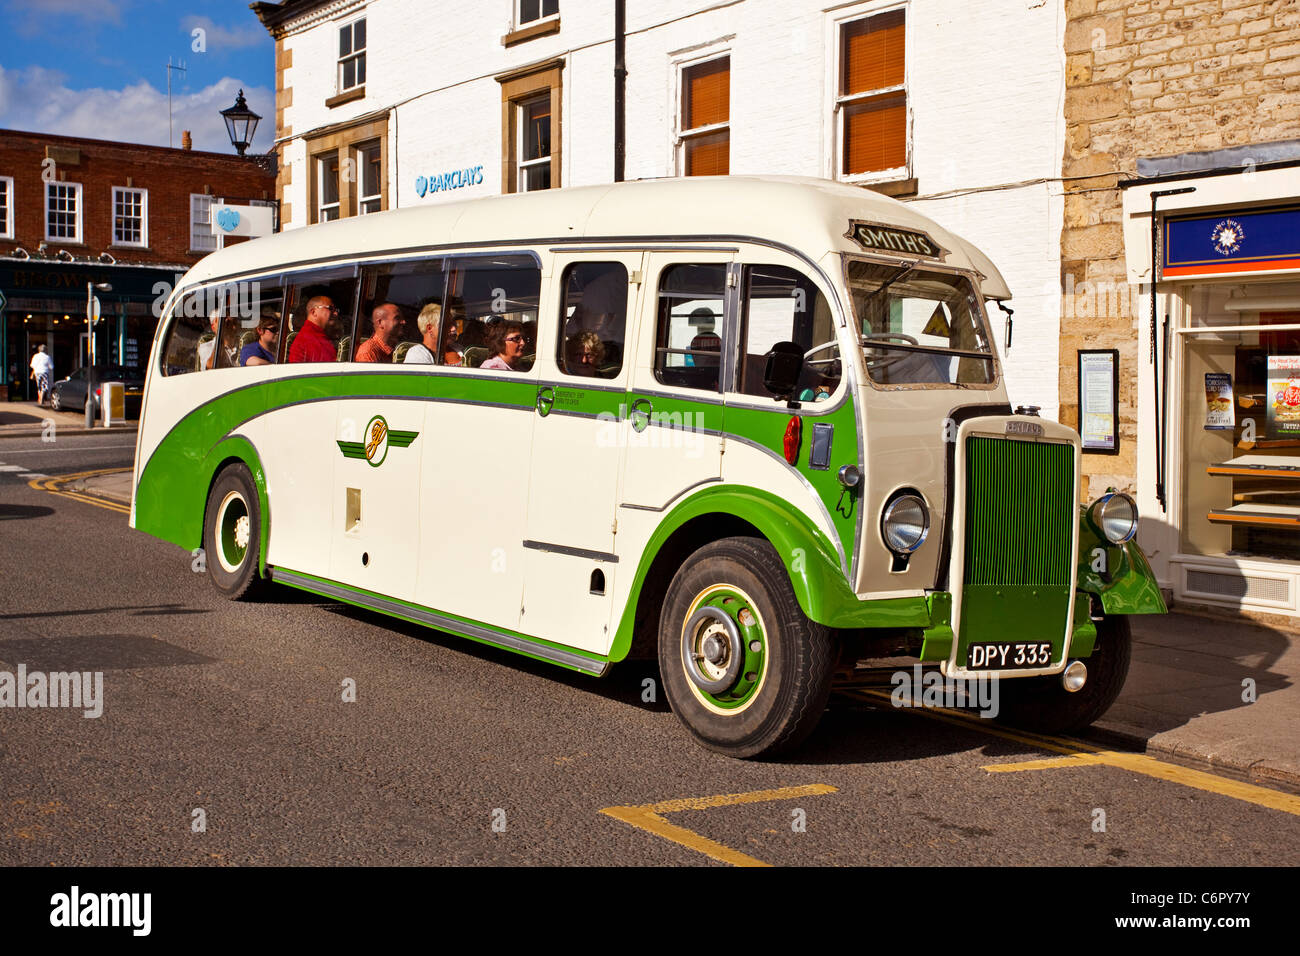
(905, 523)
(1114, 516)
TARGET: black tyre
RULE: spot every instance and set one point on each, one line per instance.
(232, 533)
(742, 667)
(56, 400)
(1042, 704)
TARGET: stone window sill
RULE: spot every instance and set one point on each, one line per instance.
(895, 188)
(349, 97)
(529, 33)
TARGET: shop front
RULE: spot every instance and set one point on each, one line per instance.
(45, 304)
(1219, 395)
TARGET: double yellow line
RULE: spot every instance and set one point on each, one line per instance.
(55, 487)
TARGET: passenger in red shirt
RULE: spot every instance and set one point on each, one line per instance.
(311, 344)
(389, 324)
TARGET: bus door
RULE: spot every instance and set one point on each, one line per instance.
(674, 421)
(584, 357)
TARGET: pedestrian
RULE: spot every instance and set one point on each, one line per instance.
(43, 373)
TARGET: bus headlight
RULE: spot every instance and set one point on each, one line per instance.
(905, 523)
(1114, 516)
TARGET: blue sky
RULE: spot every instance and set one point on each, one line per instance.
(98, 68)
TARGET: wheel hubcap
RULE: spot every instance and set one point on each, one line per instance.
(724, 649)
(234, 530)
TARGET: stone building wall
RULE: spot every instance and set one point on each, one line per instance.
(1145, 79)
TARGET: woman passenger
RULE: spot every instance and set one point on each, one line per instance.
(505, 345)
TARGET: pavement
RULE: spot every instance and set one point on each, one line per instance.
(1205, 686)
(27, 419)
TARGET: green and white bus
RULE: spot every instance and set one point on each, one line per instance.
(755, 426)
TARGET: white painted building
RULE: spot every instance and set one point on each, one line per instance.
(957, 107)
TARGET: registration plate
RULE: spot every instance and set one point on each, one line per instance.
(1008, 655)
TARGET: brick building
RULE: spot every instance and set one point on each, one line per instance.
(1191, 109)
(74, 211)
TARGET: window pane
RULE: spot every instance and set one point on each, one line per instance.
(361, 68)
(782, 305)
(595, 319)
(875, 134)
(331, 331)
(370, 171)
(329, 180)
(872, 53)
(706, 93)
(485, 291)
(359, 35)
(536, 177)
(537, 128)
(349, 74)
(187, 329)
(408, 286)
(550, 7)
(688, 334)
(528, 10)
(345, 41)
(708, 155)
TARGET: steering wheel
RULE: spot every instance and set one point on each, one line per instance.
(808, 356)
(886, 360)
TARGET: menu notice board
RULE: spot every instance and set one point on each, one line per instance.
(1283, 396)
(1219, 412)
(1099, 400)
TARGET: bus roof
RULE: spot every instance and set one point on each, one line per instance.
(811, 215)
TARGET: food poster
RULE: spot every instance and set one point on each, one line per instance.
(1219, 413)
(1283, 396)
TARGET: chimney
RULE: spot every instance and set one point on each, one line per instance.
(186, 142)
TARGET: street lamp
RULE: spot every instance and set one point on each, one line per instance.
(241, 124)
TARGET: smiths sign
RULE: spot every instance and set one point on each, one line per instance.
(892, 239)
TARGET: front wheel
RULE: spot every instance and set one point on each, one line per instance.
(56, 400)
(1044, 705)
(743, 668)
(232, 533)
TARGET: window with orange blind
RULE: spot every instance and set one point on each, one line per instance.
(872, 100)
(705, 118)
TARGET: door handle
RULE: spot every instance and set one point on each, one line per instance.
(639, 414)
(545, 400)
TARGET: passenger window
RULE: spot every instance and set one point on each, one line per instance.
(183, 337)
(491, 309)
(594, 313)
(397, 298)
(268, 314)
(688, 333)
(784, 305)
(321, 312)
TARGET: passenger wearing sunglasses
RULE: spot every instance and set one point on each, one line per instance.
(505, 342)
(311, 344)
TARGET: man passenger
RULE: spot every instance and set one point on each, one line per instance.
(311, 344)
(389, 325)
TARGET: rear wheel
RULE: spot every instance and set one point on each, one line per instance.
(232, 533)
(56, 400)
(743, 668)
(1043, 704)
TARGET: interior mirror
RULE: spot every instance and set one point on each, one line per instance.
(783, 368)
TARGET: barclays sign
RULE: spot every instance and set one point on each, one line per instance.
(456, 179)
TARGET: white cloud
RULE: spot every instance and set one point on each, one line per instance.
(38, 99)
(218, 38)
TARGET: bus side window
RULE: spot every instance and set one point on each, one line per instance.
(594, 314)
(410, 285)
(336, 288)
(784, 305)
(485, 290)
(688, 334)
(187, 330)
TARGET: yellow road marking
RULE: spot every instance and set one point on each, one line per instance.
(648, 817)
(54, 486)
(1051, 763)
(1135, 763)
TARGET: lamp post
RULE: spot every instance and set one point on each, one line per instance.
(90, 339)
(241, 124)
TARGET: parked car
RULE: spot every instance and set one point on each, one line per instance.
(71, 393)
